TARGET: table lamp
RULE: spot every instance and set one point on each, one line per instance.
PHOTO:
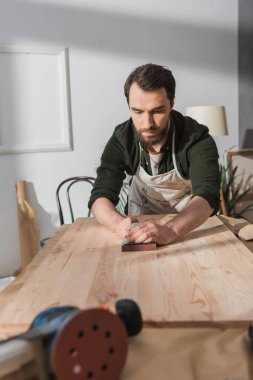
(214, 117)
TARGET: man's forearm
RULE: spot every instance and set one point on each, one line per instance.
(106, 214)
(194, 214)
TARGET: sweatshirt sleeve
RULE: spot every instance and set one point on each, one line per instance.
(204, 171)
(110, 173)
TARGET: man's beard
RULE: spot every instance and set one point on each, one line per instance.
(151, 141)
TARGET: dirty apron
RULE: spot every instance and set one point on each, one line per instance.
(158, 194)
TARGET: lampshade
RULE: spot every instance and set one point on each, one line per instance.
(214, 117)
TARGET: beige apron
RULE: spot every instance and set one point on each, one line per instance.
(159, 194)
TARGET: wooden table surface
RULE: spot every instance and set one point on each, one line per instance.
(206, 276)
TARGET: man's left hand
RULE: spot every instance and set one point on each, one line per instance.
(151, 232)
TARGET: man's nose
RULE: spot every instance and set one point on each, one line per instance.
(148, 120)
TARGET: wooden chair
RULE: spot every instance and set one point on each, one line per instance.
(67, 184)
(65, 187)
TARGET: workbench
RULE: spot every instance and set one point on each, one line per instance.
(198, 289)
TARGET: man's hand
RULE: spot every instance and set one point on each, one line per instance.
(151, 232)
(193, 215)
(124, 227)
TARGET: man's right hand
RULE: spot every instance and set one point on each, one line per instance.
(106, 214)
(124, 227)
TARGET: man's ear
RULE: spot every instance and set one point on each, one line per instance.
(172, 103)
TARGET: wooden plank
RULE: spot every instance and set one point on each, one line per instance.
(206, 276)
(197, 279)
(28, 231)
(62, 278)
(235, 224)
(12, 289)
(9, 295)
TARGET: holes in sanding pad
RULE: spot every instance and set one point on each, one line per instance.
(108, 334)
(77, 369)
(93, 347)
(80, 334)
(111, 350)
(73, 352)
(95, 327)
(104, 367)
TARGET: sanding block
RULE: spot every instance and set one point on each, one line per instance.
(130, 246)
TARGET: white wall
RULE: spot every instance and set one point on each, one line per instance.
(106, 39)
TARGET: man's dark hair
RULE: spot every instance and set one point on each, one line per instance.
(151, 77)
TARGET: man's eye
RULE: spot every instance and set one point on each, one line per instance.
(137, 112)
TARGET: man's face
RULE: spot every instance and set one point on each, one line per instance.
(150, 112)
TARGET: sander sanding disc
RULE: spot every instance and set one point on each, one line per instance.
(92, 345)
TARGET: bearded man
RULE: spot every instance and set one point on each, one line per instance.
(172, 160)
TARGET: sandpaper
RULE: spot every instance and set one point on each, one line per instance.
(128, 246)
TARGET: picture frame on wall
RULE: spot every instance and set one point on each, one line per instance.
(242, 160)
(35, 106)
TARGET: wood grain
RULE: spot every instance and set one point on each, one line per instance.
(206, 276)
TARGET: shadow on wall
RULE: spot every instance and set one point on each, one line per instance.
(44, 218)
(119, 33)
(248, 139)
